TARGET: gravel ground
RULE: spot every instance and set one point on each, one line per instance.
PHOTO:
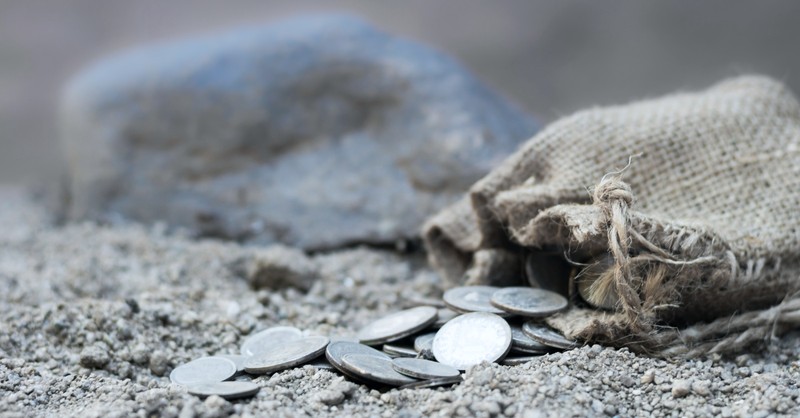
(93, 318)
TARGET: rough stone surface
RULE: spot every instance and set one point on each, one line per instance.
(316, 132)
(156, 300)
(278, 267)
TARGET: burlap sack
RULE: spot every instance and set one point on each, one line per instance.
(702, 226)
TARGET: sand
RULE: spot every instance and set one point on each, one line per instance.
(93, 318)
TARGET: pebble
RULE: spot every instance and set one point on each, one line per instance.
(94, 357)
(648, 377)
(680, 388)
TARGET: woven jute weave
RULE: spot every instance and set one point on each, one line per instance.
(694, 198)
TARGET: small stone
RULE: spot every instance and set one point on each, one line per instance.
(627, 381)
(94, 357)
(159, 362)
(331, 397)
(701, 387)
(648, 377)
(680, 388)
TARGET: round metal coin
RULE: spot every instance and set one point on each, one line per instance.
(397, 325)
(547, 336)
(268, 338)
(374, 368)
(472, 299)
(423, 369)
(424, 343)
(338, 349)
(226, 390)
(471, 339)
(516, 361)
(528, 301)
(203, 370)
(444, 315)
(520, 341)
(399, 351)
(432, 383)
(286, 355)
(237, 359)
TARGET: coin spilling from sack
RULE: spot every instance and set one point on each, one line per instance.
(420, 347)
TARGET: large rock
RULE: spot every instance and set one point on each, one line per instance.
(316, 132)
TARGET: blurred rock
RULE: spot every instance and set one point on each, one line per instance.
(277, 267)
(316, 132)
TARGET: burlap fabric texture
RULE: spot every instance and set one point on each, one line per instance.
(694, 198)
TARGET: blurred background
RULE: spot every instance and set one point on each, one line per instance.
(551, 57)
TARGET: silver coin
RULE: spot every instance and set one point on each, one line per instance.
(432, 383)
(399, 351)
(203, 370)
(268, 338)
(471, 339)
(226, 390)
(547, 336)
(424, 343)
(237, 359)
(321, 363)
(528, 301)
(467, 299)
(423, 369)
(520, 341)
(443, 316)
(397, 325)
(290, 354)
(374, 368)
(517, 360)
(338, 349)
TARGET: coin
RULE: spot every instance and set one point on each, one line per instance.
(424, 343)
(399, 351)
(268, 338)
(423, 369)
(528, 301)
(431, 383)
(321, 363)
(338, 349)
(237, 359)
(227, 390)
(521, 342)
(286, 355)
(517, 360)
(397, 325)
(547, 336)
(471, 339)
(203, 370)
(375, 368)
(472, 299)
(444, 315)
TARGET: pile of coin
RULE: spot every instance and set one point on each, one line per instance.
(425, 346)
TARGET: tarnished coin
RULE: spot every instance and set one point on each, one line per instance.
(432, 383)
(338, 349)
(399, 351)
(397, 325)
(374, 368)
(237, 359)
(423, 369)
(443, 316)
(528, 301)
(226, 390)
(471, 339)
(472, 299)
(424, 343)
(322, 363)
(547, 336)
(286, 355)
(521, 342)
(516, 361)
(268, 338)
(203, 370)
